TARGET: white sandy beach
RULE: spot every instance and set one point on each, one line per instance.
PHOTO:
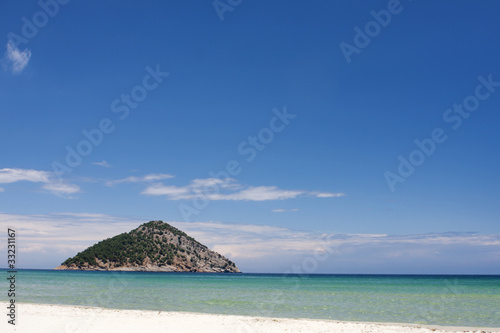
(42, 318)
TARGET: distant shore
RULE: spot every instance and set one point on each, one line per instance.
(63, 318)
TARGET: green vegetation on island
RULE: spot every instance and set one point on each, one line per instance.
(153, 246)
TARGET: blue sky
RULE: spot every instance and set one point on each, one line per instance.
(307, 139)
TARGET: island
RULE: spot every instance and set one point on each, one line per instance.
(153, 246)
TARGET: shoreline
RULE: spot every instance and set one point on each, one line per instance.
(69, 318)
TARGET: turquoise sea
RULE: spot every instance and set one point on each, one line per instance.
(424, 299)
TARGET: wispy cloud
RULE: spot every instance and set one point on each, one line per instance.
(52, 238)
(327, 194)
(171, 192)
(2, 189)
(280, 210)
(197, 187)
(103, 164)
(15, 59)
(51, 184)
(217, 189)
(260, 193)
(88, 217)
(61, 188)
(143, 179)
(267, 248)
(8, 175)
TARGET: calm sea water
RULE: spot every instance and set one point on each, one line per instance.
(440, 300)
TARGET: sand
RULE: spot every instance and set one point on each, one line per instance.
(41, 318)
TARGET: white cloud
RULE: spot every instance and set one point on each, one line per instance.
(172, 192)
(327, 194)
(51, 183)
(2, 189)
(55, 237)
(17, 60)
(144, 179)
(264, 248)
(197, 188)
(60, 188)
(88, 217)
(157, 176)
(260, 193)
(208, 182)
(221, 230)
(103, 164)
(280, 210)
(15, 175)
(217, 189)
(52, 238)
